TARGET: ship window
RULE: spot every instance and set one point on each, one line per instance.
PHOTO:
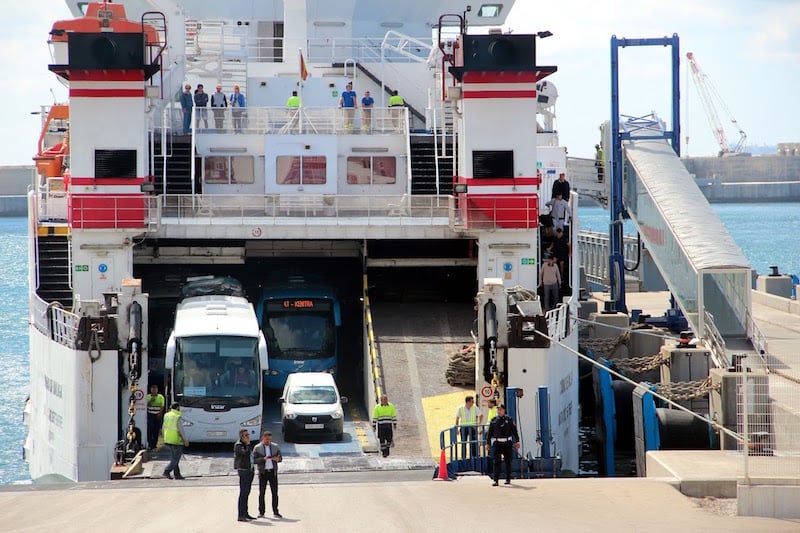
(226, 169)
(493, 163)
(301, 170)
(378, 170)
(490, 10)
(115, 163)
(83, 6)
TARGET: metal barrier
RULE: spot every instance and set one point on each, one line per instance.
(716, 342)
(468, 455)
(595, 248)
(558, 322)
(376, 370)
(54, 321)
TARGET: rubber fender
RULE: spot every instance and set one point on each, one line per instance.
(623, 402)
(681, 431)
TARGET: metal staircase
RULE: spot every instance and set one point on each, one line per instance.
(431, 171)
(55, 281)
(178, 163)
(217, 50)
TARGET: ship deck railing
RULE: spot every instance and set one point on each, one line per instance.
(51, 319)
(232, 41)
(285, 121)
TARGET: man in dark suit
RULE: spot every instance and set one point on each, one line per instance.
(266, 456)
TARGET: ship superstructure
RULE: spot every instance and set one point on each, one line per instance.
(131, 201)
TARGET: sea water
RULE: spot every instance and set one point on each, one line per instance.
(766, 233)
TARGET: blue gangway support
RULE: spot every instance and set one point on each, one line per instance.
(617, 212)
(609, 415)
(544, 421)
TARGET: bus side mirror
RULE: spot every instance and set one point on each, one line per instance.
(169, 360)
(262, 352)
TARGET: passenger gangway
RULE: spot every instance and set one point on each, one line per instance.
(702, 266)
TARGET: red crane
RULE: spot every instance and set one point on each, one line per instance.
(708, 94)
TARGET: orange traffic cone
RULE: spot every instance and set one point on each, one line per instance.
(443, 476)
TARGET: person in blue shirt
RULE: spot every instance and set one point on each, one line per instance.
(186, 105)
(237, 103)
(367, 103)
(347, 103)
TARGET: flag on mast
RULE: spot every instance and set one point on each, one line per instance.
(303, 69)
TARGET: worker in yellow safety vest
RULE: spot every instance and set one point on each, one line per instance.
(396, 101)
(155, 410)
(384, 420)
(294, 101)
(492, 410)
(599, 162)
(468, 418)
(174, 440)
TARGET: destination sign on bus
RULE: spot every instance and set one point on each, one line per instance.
(298, 304)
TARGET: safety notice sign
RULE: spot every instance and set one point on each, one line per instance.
(486, 391)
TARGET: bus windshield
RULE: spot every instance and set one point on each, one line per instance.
(222, 369)
(299, 331)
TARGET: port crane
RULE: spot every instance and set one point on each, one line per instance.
(708, 93)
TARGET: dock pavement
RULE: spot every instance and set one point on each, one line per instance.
(373, 502)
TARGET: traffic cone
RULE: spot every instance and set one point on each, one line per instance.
(443, 476)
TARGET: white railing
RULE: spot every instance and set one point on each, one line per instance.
(303, 120)
(558, 322)
(54, 321)
(757, 339)
(716, 342)
(227, 209)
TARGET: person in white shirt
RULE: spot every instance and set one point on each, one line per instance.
(218, 104)
(559, 210)
(266, 456)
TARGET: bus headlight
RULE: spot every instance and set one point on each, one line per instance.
(255, 421)
(185, 423)
(337, 415)
(289, 415)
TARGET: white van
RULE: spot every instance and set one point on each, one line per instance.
(311, 406)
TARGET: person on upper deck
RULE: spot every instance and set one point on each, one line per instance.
(348, 105)
(218, 104)
(238, 105)
(396, 101)
(293, 102)
(186, 106)
(367, 103)
(201, 102)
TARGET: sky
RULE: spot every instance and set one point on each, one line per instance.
(749, 50)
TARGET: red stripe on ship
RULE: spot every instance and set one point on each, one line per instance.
(501, 77)
(94, 211)
(106, 93)
(494, 182)
(106, 75)
(489, 211)
(507, 76)
(499, 94)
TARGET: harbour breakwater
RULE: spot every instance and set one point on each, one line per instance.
(744, 178)
(14, 182)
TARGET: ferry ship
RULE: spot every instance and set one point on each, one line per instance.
(441, 195)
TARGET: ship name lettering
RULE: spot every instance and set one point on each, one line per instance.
(566, 383)
(565, 414)
(55, 418)
(53, 386)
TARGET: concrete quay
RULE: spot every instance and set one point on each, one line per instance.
(371, 502)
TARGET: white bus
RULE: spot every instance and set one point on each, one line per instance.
(216, 356)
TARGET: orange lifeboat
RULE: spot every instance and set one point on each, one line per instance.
(53, 142)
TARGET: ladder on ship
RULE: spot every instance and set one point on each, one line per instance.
(53, 253)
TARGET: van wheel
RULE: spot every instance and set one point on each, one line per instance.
(287, 435)
(339, 436)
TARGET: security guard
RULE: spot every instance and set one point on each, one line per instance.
(384, 419)
(501, 437)
(174, 440)
(155, 410)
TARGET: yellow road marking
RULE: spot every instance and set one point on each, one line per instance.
(440, 414)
